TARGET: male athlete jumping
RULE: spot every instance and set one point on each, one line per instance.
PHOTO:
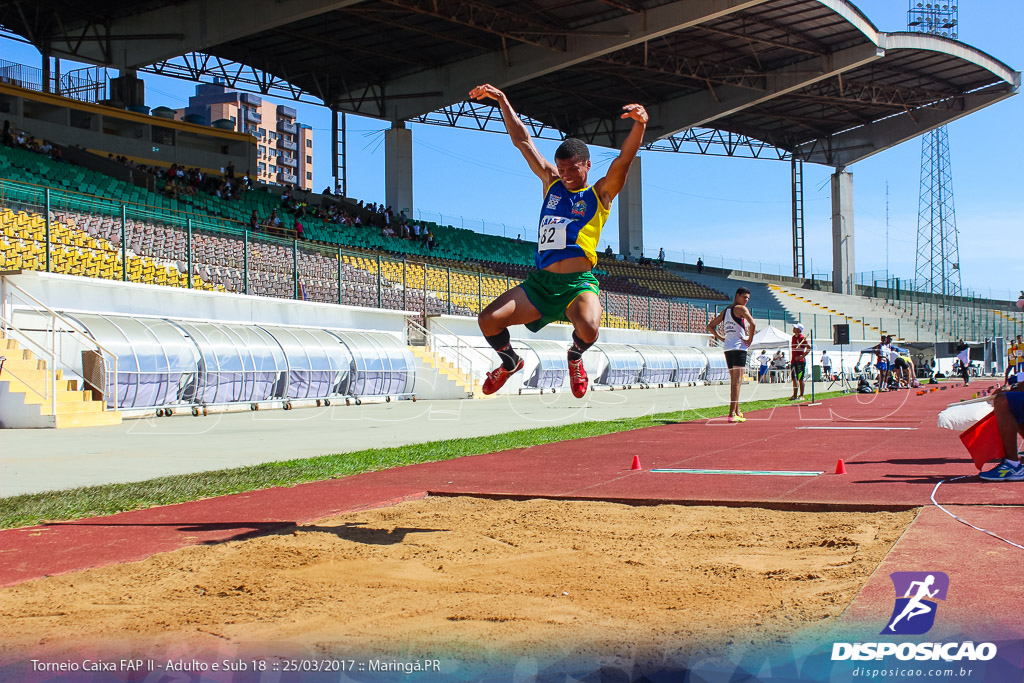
(571, 218)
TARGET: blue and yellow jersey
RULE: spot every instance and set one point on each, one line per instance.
(570, 225)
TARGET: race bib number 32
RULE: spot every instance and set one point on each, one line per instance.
(552, 233)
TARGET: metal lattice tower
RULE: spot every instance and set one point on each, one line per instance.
(937, 267)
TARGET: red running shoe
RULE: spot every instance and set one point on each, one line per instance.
(496, 378)
(578, 378)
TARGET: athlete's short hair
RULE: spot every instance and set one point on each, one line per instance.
(572, 148)
(742, 290)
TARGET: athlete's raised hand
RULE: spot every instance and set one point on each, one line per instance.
(541, 167)
(482, 92)
(608, 188)
(635, 112)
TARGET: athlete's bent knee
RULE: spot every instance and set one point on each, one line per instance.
(488, 323)
(587, 331)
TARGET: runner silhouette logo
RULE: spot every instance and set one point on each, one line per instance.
(916, 596)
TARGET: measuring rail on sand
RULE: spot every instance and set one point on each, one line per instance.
(763, 473)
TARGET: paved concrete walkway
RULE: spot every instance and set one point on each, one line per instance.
(33, 461)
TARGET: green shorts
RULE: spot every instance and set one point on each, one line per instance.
(551, 293)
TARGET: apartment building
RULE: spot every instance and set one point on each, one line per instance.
(284, 147)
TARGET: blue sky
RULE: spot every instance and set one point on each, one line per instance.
(726, 208)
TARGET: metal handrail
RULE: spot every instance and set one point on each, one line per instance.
(463, 360)
(11, 290)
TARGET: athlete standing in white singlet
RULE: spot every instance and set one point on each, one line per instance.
(738, 327)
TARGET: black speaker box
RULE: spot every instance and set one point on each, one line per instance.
(841, 334)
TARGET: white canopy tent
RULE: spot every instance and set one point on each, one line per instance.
(770, 338)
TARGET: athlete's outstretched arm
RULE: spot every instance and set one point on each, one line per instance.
(542, 168)
(608, 188)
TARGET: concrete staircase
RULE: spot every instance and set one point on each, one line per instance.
(868, 318)
(25, 381)
(440, 378)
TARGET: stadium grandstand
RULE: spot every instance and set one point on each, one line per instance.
(132, 199)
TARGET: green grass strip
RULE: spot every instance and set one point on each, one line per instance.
(107, 499)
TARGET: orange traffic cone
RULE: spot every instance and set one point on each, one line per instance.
(840, 467)
(636, 463)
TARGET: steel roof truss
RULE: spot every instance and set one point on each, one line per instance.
(703, 109)
(205, 25)
(526, 62)
(853, 145)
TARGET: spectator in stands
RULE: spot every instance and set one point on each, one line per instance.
(327, 191)
(608, 250)
(298, 230)
(799, 347)
(6, 137)
(430, 239)
(230, 170)
(273, 222)
(56, 154)
(171, 188)
(661, 255)
(572, 215)
(1009, 410)
(254, 222)
(762, 367)
(700, 266)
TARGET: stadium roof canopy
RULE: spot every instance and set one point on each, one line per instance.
(814, 78)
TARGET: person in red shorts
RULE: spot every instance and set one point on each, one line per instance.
(800, 347)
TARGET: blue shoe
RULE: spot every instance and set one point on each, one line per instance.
(1006, 470)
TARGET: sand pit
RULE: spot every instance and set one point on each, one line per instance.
(468, 578)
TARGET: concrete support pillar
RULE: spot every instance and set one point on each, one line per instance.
(631, 214)
(46, 72)
(398, 169)
(842, 233)
(128, 90)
